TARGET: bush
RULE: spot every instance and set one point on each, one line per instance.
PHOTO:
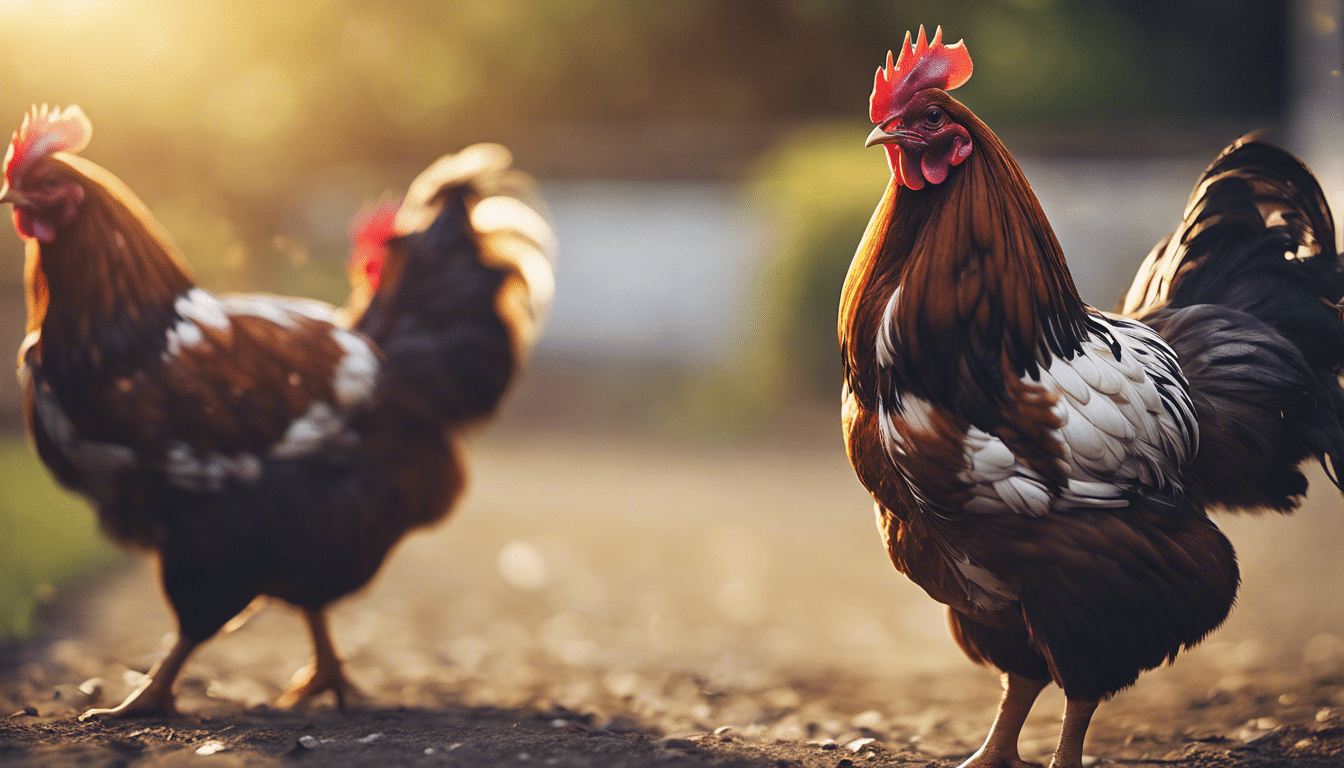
(817, 189)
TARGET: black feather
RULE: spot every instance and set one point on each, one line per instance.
(1245, 291)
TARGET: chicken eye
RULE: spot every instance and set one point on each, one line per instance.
(933, 117)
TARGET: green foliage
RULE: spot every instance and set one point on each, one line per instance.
(818, 189)
(46, 536)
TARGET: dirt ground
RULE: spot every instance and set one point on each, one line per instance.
(626, 601)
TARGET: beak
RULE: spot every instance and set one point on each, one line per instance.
(880, 136)
(11, 195)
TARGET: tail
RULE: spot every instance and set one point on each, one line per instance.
(462, 287)
(1246, 291)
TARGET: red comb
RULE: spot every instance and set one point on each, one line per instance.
(921, 65)
(369, 232)
(45, 131)
(374, 225)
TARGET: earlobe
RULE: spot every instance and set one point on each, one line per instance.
(70, 205)
(961, 149)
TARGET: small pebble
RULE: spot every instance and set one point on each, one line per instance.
(559, 722)
(26, 712)
(454, 745)
(211, 747)
(372, 737)
(828, 744)
(722, 729)
(858, 744)
(429, 750)
(1323, 714)
(308, 742)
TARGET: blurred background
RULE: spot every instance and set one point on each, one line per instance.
(703, 161)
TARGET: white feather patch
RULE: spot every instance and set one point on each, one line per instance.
(999, 481)
(1115, 424)
(185, 333)
(986, 590)
(357, 373)
(1127, 425)
(187, 470)
(891, 438)
(205, 309)
(917, 414)
(886, 349)
(317, 428)
(281, 310)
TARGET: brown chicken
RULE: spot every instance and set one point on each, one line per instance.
(262, 445)
(1045, 469)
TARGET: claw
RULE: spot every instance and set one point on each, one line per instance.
(313, 680)
(149, 700)
(154, 697)
(323, 674)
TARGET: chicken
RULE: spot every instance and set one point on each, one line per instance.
(263, 445)
(1045, 469)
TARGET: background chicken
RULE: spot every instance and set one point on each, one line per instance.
(1045, 469)
(259, 444)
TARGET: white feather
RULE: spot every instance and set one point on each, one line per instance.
(1070, 383)
(917, 414)
(886, 350)
(205, 309)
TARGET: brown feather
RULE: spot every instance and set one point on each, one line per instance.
(113, 261)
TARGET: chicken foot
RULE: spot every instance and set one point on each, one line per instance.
(1077, 716)
(324, 673)
(154, 697)
(1000, 747)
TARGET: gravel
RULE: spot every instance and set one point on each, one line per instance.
(616, 601)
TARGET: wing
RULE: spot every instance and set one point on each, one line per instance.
(239, 380)
(1091, 430)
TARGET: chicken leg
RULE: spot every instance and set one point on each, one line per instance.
(324, 673)
(155, 694)
(1077, 715)
(1000, 747)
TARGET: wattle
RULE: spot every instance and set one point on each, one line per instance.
(904, 167)
(932, 165)
(33, 227)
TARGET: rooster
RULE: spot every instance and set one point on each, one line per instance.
(262, 445)
(1045, 469)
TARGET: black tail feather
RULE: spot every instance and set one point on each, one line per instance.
(464, 293)
(1258, 243)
